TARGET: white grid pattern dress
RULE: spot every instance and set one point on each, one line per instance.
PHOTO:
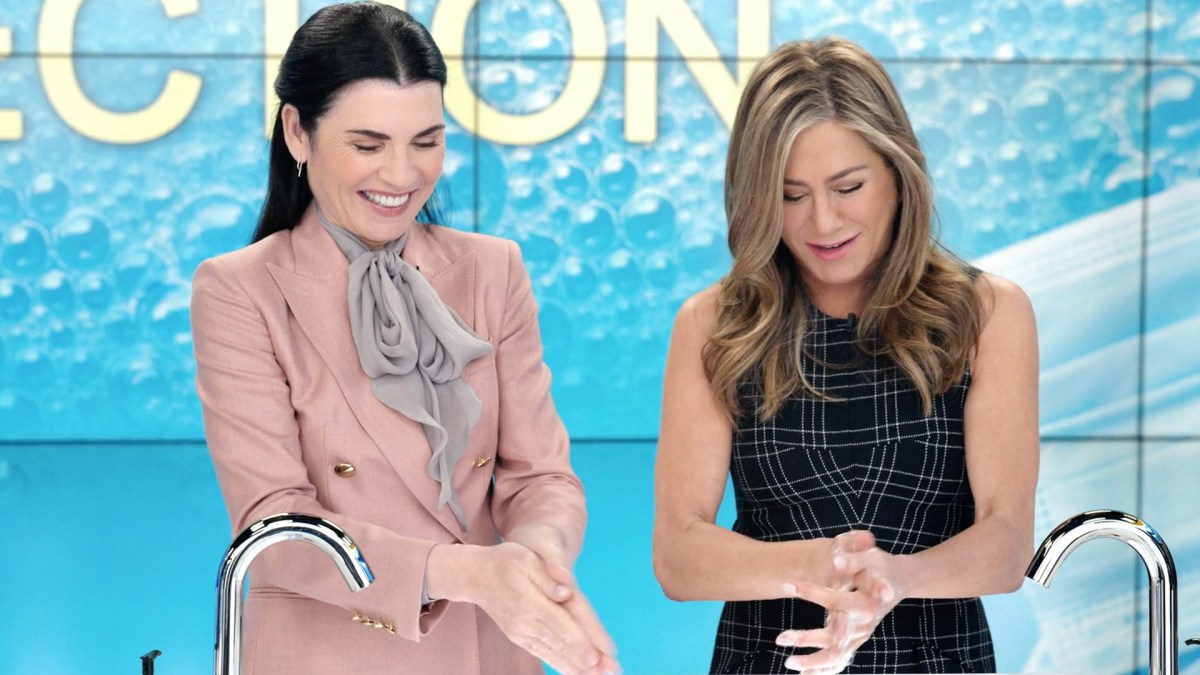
(870, 460)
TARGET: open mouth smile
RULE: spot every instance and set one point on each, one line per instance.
(386, 201)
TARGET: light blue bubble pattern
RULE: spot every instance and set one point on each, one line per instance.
(977, 29)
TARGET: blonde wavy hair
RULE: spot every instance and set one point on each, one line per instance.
(922, 311)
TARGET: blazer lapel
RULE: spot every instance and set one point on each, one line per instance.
(316, 293)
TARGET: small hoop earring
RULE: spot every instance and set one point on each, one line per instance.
(299, 168)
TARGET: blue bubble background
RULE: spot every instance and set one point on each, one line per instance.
(1063, 138)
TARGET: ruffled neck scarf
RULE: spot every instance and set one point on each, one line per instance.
(414, 349)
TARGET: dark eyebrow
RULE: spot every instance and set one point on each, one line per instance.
(379, 136)
(431, 130)
(370, 134)
(841, 174)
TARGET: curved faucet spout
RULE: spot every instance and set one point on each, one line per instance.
(227, 647)
(1160, 570)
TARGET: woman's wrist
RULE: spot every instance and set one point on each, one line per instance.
(548, 541)
(788, 562)
(905, 571)
(447, 575)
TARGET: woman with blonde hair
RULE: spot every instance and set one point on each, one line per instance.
(873, 397)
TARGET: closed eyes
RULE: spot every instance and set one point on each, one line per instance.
(796, 198)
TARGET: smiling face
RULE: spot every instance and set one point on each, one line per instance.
(373, 158)
(839, 202)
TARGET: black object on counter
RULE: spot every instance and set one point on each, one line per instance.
(148, 661)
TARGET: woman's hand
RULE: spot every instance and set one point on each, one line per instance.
(853, 616)
(550, 545)
(535, 609)
(858, 593)
(548, 542)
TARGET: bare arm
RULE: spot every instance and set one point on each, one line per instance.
(1000, 428)
(695, 559)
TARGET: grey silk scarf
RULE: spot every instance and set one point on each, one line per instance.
(414, 349)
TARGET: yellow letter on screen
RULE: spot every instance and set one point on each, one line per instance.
(584, 79)
(10, 120)
(642, 19)
(56, 39)
(281, 18)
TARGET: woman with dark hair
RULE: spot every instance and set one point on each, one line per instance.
(384, 373)
(873, 397)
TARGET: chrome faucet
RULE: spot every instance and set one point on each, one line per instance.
(227, 647)
(1160, 569)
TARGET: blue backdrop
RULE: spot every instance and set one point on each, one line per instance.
(1064, 141)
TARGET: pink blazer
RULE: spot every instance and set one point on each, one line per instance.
(285, 401)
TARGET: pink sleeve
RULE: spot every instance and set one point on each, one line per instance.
(534, 481)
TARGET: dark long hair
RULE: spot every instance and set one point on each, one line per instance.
(337, 46)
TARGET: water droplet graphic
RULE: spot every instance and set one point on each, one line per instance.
(618, 177)
(1174, 102)
(528, 162)
(579, 280)
(935, 142)
(1013, 18)
(649, 219)
(15, 301)
(25, 249)
(661, 271)
(704, 254)
(60, 336)
(32, 365)
(56, 292)
(588, 146)
(10, 205)
(1013, 165)
(525, 195)
(16, 166)
(540, 253)
(498, 86)
(82, 240)
(981, 37)
(95, 291)
(543, 44)
(1039, 112)
(593, 229)
(971, 171)
(622, 272)
(985, 119)
(570, 180)
(211, 224)
(49, 198)
(132, 266)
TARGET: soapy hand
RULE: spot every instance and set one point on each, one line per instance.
(857, 594)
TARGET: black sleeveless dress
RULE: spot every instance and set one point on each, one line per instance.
(870, 460)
